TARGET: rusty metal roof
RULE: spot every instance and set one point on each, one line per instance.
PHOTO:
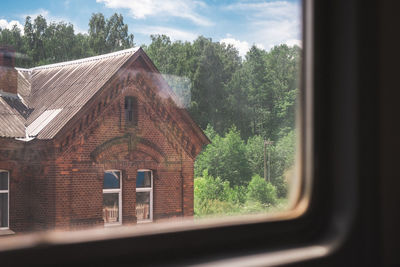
(49, 96)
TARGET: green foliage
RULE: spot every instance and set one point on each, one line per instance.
(208, 187)
(242, 102)
(214, 207)
(225, 157)
(212, 196)
(282, 161)
(259, 93)
(45, 43)
(261, 191)
(255, 154)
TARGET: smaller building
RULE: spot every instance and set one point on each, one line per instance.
(93, 142)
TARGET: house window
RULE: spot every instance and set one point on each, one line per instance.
(144, 196)
(112, 201)
(130, 111)
(4, 199)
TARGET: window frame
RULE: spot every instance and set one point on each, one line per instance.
(146, 189)
(113, 191)
(8, 199)
(335, 228)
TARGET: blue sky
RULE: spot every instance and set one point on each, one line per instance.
(241, 23)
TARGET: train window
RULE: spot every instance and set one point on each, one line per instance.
(216, 87)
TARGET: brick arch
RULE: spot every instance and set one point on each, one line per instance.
(150, 151)
(116, 152)
(122, 149)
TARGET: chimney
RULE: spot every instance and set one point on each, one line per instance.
(8, 73)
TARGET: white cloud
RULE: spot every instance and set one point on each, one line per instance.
(271, 23)
(294, 42)
(140, 9)
(241, 46)
(174, 34)
(4, 24)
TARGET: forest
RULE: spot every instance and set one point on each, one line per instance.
(246, 106)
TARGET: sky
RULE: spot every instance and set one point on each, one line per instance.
(240, 23)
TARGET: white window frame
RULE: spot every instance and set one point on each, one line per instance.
(146, 189)
(115, 190)
(8, 200)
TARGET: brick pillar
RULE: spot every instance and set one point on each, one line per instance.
(8, 73)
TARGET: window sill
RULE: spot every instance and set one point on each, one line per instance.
(112, 225)
(144, 221)
(6, 232)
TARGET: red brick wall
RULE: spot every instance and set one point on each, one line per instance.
(8, 74)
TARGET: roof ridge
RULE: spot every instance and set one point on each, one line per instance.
(23, 69)
(87, 59)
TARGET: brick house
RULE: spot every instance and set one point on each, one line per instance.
(93, 142)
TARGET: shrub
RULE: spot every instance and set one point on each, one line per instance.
(214, 196)
(208, 187)
(225, 157)
(261, 191)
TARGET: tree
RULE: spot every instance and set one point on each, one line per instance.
(199, 72)
(257, 88)
(255, 154)
(215, 67)
(282, 159)
(97, 33)
(239, 108)
(39, 30)
(226, 158)
(117, 36)
(282, 162)
(59, 41)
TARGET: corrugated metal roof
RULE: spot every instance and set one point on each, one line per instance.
(11, 122)
(51, 95)
(41, 122)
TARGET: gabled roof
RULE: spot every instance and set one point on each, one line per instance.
(53, 94)
(50, 96)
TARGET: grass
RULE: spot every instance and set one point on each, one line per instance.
(216, 208)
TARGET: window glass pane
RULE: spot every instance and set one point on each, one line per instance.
(111, 180)
(111, 207)
(143, 206)
(3, 180)
(207, 102)
(3, 210)
(143, 179)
